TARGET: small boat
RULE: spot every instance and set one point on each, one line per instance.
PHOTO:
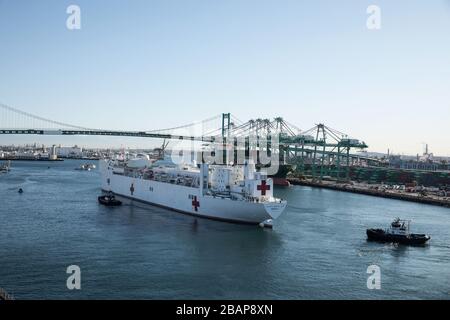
(86, 167)
(398, 232)
(20, 190)
(109, 200)
(6, 167)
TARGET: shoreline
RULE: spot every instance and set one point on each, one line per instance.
(372, 192)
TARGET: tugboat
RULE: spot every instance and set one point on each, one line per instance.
(109, 200)
(398, 232)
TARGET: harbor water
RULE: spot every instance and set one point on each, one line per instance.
(317, 249)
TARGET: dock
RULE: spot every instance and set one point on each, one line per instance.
(364, 189)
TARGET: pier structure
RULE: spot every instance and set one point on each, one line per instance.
(317, 152)
(407, 195)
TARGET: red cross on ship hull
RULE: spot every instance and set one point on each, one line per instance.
(263, 187)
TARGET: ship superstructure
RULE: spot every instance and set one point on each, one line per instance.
(223, 192)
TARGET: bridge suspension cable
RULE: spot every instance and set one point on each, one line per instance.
(186, 126)
(28, 120)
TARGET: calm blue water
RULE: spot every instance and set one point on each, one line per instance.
(317, 249)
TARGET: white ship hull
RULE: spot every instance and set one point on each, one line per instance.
(189, 200)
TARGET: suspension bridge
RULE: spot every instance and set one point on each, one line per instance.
(319, 151)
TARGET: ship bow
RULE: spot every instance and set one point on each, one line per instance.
(274, 209)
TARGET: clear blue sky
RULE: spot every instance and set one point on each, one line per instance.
(144, 65)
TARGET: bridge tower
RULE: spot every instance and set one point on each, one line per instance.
(226, 126)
